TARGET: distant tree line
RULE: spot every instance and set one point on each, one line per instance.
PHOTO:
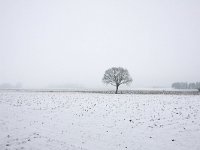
(10, 86)
(185, 85)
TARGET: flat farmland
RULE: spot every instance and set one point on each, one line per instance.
(94, 121)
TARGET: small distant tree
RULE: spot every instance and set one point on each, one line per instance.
(116, 76)
(198, 86)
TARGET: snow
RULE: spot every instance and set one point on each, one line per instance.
(89, 121)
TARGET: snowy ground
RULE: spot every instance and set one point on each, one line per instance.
(75, 121)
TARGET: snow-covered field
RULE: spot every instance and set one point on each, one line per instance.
(75, 121)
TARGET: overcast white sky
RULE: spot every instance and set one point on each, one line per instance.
(44, 42)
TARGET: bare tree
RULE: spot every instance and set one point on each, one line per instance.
(117, 76)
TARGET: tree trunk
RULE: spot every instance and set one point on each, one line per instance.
(116, 89)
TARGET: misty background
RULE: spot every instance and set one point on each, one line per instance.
(48, 43)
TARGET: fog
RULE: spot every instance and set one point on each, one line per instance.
(48, 43)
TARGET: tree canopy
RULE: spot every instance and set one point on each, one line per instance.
(116, 76)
